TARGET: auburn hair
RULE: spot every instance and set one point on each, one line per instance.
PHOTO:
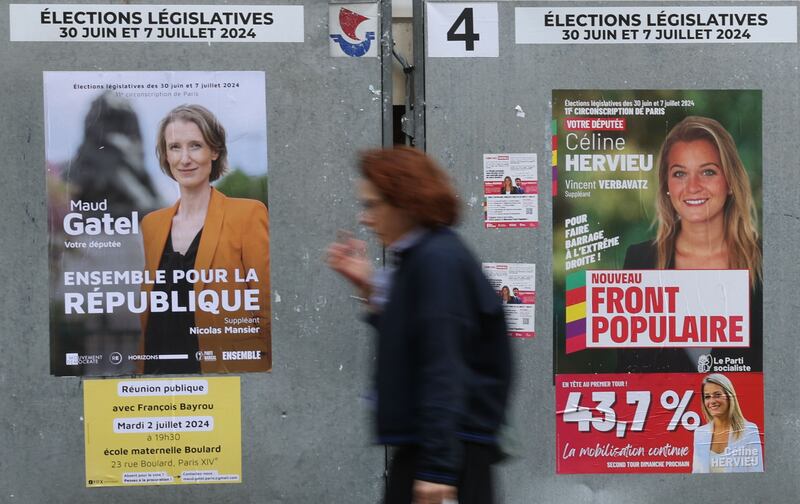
(410, 180)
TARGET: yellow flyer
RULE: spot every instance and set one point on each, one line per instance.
(162, 431)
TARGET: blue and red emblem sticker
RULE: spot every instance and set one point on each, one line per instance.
(353, 30)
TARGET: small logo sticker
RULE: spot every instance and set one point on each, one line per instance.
(205, 355)
(353, 29)
(704, 363)
(74, 359)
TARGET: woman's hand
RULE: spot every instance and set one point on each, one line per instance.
(426, 492)
(348, 257)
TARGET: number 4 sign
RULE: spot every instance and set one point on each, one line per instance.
(462, 30)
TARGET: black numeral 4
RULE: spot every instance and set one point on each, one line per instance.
(469, 36)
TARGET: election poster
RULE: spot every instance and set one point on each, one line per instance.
(162, 431)
(510, 191)
(658, 280)
(515, 284)
(158, 222)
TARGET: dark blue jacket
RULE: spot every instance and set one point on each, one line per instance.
(444, 359)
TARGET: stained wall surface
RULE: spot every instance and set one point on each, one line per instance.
(471, 111)
(305, 424)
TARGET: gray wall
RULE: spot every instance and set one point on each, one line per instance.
(479, 95)
(304, 425)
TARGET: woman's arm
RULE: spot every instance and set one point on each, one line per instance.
(348, 257)
(441, 289)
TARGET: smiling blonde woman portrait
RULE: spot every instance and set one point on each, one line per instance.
(727, 442)
(705, 219)
(205, 231)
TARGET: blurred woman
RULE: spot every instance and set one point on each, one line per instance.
(443, 363)
(727, 442)
(207, 232)
(705, 220)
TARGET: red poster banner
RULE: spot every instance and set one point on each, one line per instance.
(656, 423)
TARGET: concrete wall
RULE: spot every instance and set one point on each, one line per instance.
(471, 110)
(304, 425)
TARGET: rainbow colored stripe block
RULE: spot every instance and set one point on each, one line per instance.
(576, 311)
(554, 160)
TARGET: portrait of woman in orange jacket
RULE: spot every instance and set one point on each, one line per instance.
(213, 251)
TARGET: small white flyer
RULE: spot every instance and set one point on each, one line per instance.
(515, 283)
(511, 191)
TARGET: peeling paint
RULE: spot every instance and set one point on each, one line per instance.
(520, 112)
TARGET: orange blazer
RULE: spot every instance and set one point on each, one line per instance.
(235, 237)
